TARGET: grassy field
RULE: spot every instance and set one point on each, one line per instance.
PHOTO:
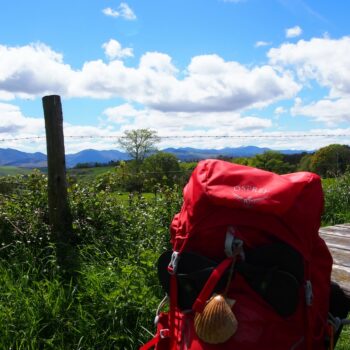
(88, 174)
(11, 170)
(81, 173)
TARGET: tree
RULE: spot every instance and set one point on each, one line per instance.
(240, 160)
(139, 143)
(271, 161)
(161, 168)
(305, 163)
(331, 161)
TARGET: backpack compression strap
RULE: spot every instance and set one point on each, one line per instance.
(163, 333)
(212, 281)
(233, 249)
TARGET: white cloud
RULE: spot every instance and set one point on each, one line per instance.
(157, 62)
(293, 32)
(113, 50)
(213, 84)
(123, 11)
(14, 125)
(32, 70)
(179, 122)
(110, 12)
(183, 127)
(280, 110)
(262, 43)
(324, 60)
(210, 82)
(126, 11)
(330, 112)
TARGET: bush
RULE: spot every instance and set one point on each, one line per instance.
(337, 200)
(111, 304)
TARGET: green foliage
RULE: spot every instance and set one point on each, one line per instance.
(162, 169)
(112, 302)
(114, 298)
(139, 143)
(331, 161)
(271, 161)
(241, 160)
(337, 200)
(305, 163)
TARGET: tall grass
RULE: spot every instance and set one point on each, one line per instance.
(112, 301)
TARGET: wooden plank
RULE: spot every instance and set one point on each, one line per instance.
(336, 230)
(340, 257)
(341, 275)
(337, 239)
(339, 242)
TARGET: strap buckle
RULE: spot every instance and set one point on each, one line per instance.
(233, 245)
(308, 293)
(164, 333)
(172, 267)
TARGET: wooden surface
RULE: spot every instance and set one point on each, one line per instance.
(338, 241)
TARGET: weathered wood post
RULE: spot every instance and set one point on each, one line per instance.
(59, 211)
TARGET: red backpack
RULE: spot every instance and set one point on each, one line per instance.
(248, 268)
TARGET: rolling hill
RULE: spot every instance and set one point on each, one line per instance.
(13, 157)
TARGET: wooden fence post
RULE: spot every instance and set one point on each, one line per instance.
(59, 210)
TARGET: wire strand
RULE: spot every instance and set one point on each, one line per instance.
(250, 136)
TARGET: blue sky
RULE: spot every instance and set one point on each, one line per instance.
(183, 68)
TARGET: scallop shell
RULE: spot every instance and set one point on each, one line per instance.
(217, 323)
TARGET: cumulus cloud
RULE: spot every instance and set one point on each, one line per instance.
(113, 49)
(331, 112)
(179, 126)
(123, 11)
(13, 122)
(213, 84)
(293, 32)
(324, 60)
(180, 122)
(14, 125)
(210, 82)
(31, 70)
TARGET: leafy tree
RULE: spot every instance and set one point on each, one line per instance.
(139, 143)
(161, 168)
(295, 158)
(331, 161)
(305, 163)
(241, 160)
(271, 161)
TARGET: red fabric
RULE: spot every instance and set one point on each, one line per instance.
(263, 207)
(161, 340)
(208, 288)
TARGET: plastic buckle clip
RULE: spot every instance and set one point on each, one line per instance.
(308, 293)
(172, 267)
(164, 333)
(233, 246)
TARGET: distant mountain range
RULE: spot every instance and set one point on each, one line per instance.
(12, 157)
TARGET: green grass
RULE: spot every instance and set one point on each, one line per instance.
(337, 200)
(11, 170)
(112, 301)
(344, 340)
(88, 174)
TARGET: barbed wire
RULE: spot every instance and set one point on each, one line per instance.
(250, 136)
